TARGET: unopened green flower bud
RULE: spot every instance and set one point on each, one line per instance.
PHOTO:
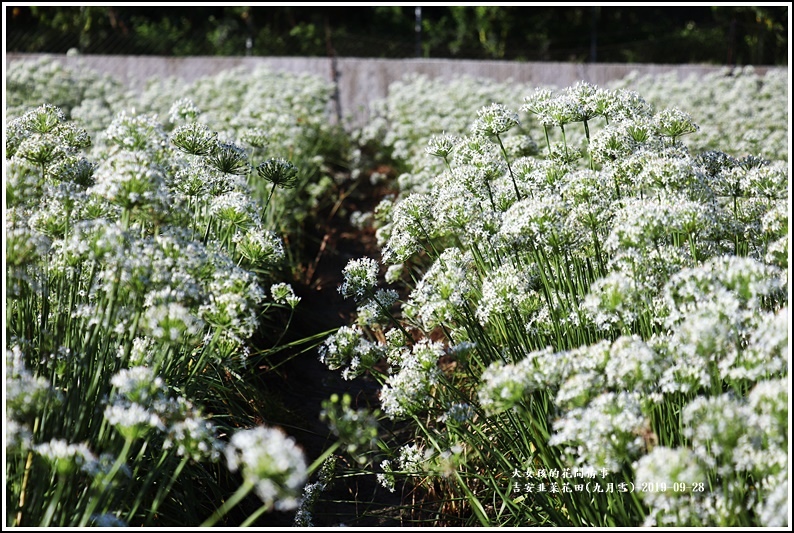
(279, 172)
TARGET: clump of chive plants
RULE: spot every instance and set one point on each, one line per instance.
(593, 335)
(135, 282)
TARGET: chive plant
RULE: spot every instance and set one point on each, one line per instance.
(581, 341)
(134, 286)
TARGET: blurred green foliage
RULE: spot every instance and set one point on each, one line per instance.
(733, 35)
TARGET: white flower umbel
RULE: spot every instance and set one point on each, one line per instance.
(680, 471)
(130, 179)
(386, 478)
(194, 138)
(671, 172)
(271, 463)
(70, 177)
(507, 292)
(710, 337)
(237, 209)
(142, 353)
(591, 197)
(139, 384)
(393, 273)
(633, 365)
(520, 146)
(550, 110)
(42, 150)
(769, 180)
(441, 145)
(375, 310)
(347, 349)
(360, 278)
(171, 323)
(613, 300)
(763, 448)
(605, 434)
(578, 388)
(183, 110)
(505, 385)
(725, 282)
(193, 436)
(774, 227)
(25, 393)
(198, 181)
(588, 101)
(440, 296)
(462, 210)
(61, 204)
(494, 120)
(412, 458)
(132, 419)
(256, 137)
(628, 104)
(412, 225)
(773, 505)
(409, 390)
(477, 152)
(625, 147)
(130, 132)
(647, 223)
(582, 376)
(674, 123)
(18, 438)
(140, 403)
(714, 426)
(24, 183)
(767, 351)
(260, 247)
(234, 300)
(64, 457)
(538, 223)
(283, 294)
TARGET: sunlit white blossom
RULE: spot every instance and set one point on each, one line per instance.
(607, 433)
(360, 278)
(284, 294)
(406, 392)
(65, 457)
(271, 461)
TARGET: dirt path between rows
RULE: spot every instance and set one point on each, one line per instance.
(303, 382)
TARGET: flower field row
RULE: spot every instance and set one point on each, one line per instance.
(597, 294)
(143, 258)
(581, 288)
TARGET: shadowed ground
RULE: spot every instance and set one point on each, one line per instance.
(301, 383)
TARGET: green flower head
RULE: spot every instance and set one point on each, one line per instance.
(279, 172)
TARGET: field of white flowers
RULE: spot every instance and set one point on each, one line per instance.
(576, 313)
